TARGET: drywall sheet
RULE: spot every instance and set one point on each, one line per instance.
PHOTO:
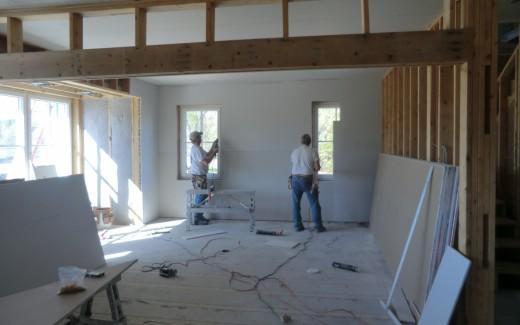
(355, 165)
(446, 288)
(398, 185)
(45, 224)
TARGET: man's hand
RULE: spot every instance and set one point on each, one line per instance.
(214, 147)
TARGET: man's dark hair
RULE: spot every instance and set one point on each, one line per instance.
(306, 139)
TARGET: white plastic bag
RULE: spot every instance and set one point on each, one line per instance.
(71, 279)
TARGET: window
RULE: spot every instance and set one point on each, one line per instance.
(34, 132)
(198, 118)
(324, 115)
(12, 137)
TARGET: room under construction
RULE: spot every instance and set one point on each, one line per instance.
(154, 156)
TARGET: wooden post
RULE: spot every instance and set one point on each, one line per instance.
(446, 115)
(140, 28)
(477, 228)
(210, 21)
(365, 16)
(14, 35)
(75, 31)
(285, 8)
(77, 136)
(406, 112)
(423, 112)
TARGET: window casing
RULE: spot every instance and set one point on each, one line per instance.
(198, 118)
(324, 116)
(35, 131)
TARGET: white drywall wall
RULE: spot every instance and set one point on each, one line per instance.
(261, 123)
(108, 168)
(149, 95)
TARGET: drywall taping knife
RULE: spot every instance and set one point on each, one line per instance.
(344, 266)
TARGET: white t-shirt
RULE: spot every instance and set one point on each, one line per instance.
(198, 167)
(303, 159)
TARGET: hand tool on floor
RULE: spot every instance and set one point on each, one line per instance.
(269, 233)
(343, 266)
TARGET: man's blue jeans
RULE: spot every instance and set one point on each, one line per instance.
(300, 185)
(199, 198)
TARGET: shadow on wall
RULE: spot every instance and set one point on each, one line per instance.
(104, 185)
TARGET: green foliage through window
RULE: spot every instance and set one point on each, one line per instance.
(325, 115)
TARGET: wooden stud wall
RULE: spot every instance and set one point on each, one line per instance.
(456, 107)
(427, 112)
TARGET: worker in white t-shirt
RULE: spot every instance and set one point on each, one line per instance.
(304, 179)
(200, 160)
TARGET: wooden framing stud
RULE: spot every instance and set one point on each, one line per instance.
(140, 27)
(75, 31)
(285, 8)
(365, 16)
(210, 21)
(14, 35)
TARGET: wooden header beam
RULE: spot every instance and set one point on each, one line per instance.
(338, 51)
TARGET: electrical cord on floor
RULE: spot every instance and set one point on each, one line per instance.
(253, 281)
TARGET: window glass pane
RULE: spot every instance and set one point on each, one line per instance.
(11, 121)
(193, 122)
(326, 117)
(51, 135)
(325, 151)
(210, 126)
(12, 163)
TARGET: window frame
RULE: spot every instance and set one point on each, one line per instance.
(182, 140)
(26, 98)
(316, 106)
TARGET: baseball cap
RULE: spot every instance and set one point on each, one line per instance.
(194, 135)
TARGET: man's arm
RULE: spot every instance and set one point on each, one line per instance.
(317, 165)
(211, 154)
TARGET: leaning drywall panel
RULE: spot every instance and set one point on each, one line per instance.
(446, 288)
(397, 189)
(45, 224)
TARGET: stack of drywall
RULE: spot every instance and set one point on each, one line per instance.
(45, 224)
(398, 186)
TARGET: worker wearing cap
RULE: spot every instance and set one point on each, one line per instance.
(304, 179)
(200, 160)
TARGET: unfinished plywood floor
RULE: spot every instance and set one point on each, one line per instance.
(206, 292)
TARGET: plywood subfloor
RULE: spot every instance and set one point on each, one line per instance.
(205, 293)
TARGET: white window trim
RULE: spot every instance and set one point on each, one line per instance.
(26, 99)
(181, 109)
(315, 108)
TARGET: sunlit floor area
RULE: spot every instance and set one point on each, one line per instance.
(238, 278)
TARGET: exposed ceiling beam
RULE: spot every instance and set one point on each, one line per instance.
(338, 51)
(119, 7)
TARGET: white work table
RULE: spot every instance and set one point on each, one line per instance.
(221, 201)
(42, 305)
